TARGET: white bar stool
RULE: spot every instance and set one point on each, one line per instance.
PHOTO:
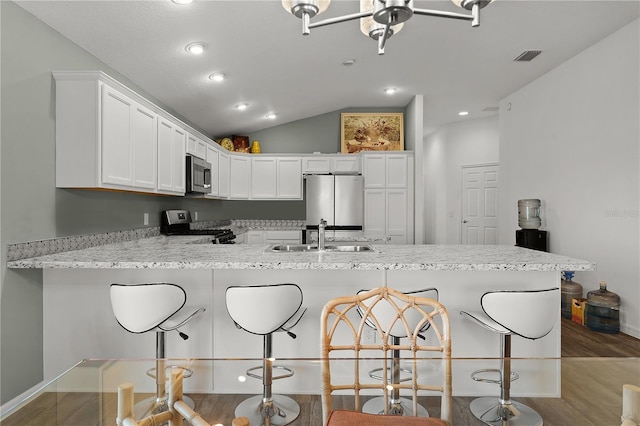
(386, 314)
(159, 307)
(531, 314)
(264, 310)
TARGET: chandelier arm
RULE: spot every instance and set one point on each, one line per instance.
(475, 12)
(443, 14)
(338, 19)
(382, 41)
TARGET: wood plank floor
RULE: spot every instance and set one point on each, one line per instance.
(591, 392)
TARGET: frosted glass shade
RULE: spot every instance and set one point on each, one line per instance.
(322, 4)
(371, 28)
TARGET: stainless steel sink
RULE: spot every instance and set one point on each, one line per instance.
(298, 248)
(287, 248)
(356, 248)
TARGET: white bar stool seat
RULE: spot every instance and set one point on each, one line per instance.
(264, 310)
(159, 307)
(531, 314)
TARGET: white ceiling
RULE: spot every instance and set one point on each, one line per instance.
(271, 66)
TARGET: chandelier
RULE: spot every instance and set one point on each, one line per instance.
(379, 19)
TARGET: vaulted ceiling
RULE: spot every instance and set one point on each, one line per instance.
(272, 67)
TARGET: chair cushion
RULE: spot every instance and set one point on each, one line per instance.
(356, 418)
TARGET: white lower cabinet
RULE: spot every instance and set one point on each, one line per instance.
(283, 237)
(255, 237)
(274, 237)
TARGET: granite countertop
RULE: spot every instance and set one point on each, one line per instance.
(189, 252)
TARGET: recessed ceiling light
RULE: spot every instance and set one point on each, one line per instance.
(216, 76)
(242, 106)
(182, 1)
(195, 48)
(349, 62)
(270, 115)
(463, 113)
(390, 90)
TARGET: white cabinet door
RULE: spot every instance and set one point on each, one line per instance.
(255, 237)
(212, 158)
(264, 179)
(396, 212)
(128, 141)
(345, 164)
(144, 137)
(397, 171)
(313, 164)
(196, 146)
(289, 184)
(171, 157)
(223, 173)
(386, 214)
(383, 170)
(374, 170)
(283, 237)
(375, 213)
(117, 149)
(240, 176)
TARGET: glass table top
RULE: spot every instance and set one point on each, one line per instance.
(590, 392)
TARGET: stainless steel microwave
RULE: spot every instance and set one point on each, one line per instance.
(198, 175)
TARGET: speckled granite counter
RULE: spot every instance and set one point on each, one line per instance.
(76, 295)
(187, 252)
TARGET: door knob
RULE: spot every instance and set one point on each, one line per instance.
(465, 221)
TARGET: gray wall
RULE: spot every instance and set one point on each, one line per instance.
(32, 208)
(316, 134)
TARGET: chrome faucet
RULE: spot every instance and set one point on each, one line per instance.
(321, 228)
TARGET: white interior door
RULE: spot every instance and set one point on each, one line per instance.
(480, 204)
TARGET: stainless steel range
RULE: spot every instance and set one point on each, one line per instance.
(178, 222)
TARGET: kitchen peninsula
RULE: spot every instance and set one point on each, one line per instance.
(78, 322)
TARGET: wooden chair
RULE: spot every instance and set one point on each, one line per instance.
(342, 340)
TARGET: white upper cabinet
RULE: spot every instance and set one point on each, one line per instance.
(104, 137)
(289, 183)
(212, 157)
(108, 136)
(171, 158)
(385, 170)
(275, 178)
(345, 163)
(239, 176)
(264, 179)
(316, 164)
(224, 173)
(331, 163)
(196, 146)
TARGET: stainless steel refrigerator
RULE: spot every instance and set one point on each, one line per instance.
(338, 199)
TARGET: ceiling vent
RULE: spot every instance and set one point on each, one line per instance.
(527, 55)
(490, 109)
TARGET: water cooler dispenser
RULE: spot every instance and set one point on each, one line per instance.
(529, 220)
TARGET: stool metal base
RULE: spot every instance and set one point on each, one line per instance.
(401, 407)
(282, 410)
(151, 405)
(492, 412)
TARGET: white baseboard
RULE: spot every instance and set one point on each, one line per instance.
(9, 407)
